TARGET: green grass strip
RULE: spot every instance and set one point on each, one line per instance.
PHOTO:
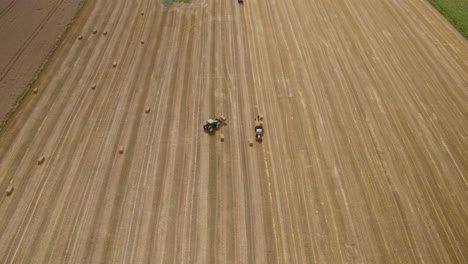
(41, 68)
(456, 11)
(168, 2)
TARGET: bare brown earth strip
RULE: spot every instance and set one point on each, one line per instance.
(364, 158)
(29, 30)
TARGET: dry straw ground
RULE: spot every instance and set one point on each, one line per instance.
(364, 158)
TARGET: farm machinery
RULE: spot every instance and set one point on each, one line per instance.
(259, 133)
(212, 125)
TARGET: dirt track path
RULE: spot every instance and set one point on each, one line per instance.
(365, 151)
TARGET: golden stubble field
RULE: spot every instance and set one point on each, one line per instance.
(364, 158)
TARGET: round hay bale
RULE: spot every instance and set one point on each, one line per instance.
(261, 117)
(121, 149)
(221, 137)
(104, 33)
(35, 90)
(142, 13)
(147, 110)
(250, 143)
(114, 64)
(94, 31)
(41, 160)
(80, 37)
(142, 42)
(93, 86)
(10, 190)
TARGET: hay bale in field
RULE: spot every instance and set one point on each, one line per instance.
(104, 33)
(41, 160)
(35, 90)
(94, 31)
(147, 110)
(121, 149)
(142, 42)
(93, 86)
(260, 117)
(114, 64)
(221, 137)
(250, 143)
(80, 37)
(10, 190)
(142, 13)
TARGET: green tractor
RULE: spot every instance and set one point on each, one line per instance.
(212, 125)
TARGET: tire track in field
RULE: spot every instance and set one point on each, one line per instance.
(7, 8)
(438, 211)
(225, 185)
(225, 168)
(130, 142)
(246, 251)
(33, 165)
(162, 90)
(304, 241)
(254, 238)
(219, 89)
(99, 120)
(88, 113)
(307, 94)
(134, 228)
(352, 237)
(292, 133)
(152, 123)
(272, 128)
(31, 132)
(427, 180)
(18, 54)
(191, 122)
(200, 238)
(107, 249)
(87, 144)
(259, 55)
(169, 137)
(272, 248)
(212, 157)
(176, 168)
(116, 80)
(240, 253)
(15, 167)
(217, 85)
(16, 139)
(383, 240)
(55, 191)
(375, 215)
(191, 198)
(160, 93)
(199, 149)
(155, 126)
(334, 169)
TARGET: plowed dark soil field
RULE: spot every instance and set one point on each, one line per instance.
(28, 31)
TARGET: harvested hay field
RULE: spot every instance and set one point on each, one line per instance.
(363, 160)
